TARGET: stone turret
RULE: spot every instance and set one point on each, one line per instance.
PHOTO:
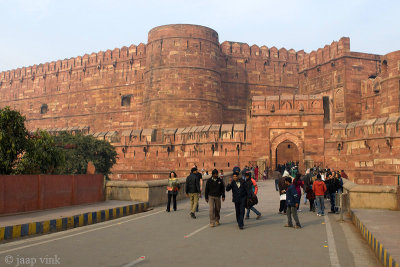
(182, 83)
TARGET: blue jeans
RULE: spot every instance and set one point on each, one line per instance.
(319, 202)
(254, 210)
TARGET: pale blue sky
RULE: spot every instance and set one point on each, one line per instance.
(39, 31)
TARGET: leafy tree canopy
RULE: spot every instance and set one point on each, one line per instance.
(41, 156)
(80, 149)
(13, 139)
(21, 153)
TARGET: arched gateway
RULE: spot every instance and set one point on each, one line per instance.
(287, 147)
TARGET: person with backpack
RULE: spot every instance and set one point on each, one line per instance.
(172, 189)
(252, 184)
(215, 189)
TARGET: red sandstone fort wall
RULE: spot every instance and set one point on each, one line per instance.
(336, 72)
(146, 100)
(250, 71)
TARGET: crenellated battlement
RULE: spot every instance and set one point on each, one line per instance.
(184, 99)
(97, 60)
(385, 127)
(286, 104)
(236, 49)
(324, 55)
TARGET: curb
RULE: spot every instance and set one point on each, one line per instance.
(56, 225)
(381, 252)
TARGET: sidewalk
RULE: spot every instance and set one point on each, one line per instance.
(59, 219)
(380, 228)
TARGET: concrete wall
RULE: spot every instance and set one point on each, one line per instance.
(153, 192)
(21, 193)
(372, 196)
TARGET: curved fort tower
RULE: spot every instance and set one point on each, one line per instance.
(184, 98)
(183, 81)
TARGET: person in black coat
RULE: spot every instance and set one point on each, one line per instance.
(240, 193)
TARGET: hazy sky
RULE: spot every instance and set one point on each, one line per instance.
(39, 31)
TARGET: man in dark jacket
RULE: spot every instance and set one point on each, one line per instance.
(332, 184)
(282, 186)
(292, 202)
(193, 190)
(215, 189)
(240, 193)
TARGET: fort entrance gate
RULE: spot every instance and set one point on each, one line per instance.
(287, 147)
(285, 152)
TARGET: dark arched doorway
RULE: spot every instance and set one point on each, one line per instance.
(285, 152)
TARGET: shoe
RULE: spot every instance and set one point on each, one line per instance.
(247, 217)
(241, 227)
(331, 212)
(217, 223)
(258, 217)
(318, 214)
(212, 225)
(298, 210)
(192, 215)
(167, 210)
(287, 225)
(174, 209)
(297, 227)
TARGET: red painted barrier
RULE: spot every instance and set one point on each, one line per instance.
(21, 193)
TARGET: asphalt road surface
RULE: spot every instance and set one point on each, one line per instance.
(158, 238)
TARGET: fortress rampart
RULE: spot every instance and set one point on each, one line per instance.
(254, 104)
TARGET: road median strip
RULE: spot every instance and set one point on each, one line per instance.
(70, 222)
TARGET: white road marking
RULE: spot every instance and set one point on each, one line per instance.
(80, 233)
(331, 244)
(142, 258)
(204, 227)
(195, 232)
(230, 214)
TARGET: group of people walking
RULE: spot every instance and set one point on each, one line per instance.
(244, 194)
(316, 184)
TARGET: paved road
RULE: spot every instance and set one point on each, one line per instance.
(174, 239)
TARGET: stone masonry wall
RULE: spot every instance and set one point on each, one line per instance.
(339, 108)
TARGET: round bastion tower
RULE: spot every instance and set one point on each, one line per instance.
(182, 80)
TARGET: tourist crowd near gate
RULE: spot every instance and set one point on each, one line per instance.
(296, 192)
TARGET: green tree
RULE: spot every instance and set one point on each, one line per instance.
(80, 149)
(13, 139)
(41, 156)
